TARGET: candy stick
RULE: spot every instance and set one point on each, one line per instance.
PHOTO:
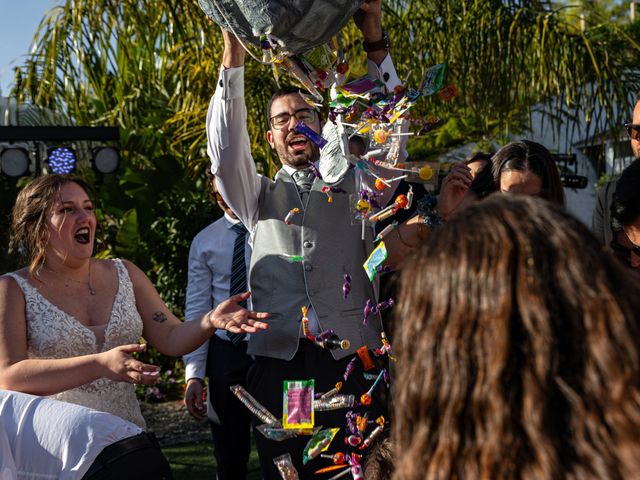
(292, 212)
(253, 405)
(386, 231)
(338, 458)
(340, 475)
(332, 392)
(366, 398)
(397, 178)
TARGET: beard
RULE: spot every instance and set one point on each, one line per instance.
(298, 159)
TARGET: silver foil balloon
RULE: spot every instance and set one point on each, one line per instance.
(299, 24)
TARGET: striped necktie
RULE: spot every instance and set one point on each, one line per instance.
(238, 283)
(304, 180)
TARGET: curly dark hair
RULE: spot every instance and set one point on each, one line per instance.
(29, 233)
(517, 351)
(525, 155)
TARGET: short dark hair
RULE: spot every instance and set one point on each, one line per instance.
(478, 157)
(282, 92)
(625, 208)
(525, 155)
(483, 184)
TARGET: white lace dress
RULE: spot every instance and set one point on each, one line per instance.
(52, 333)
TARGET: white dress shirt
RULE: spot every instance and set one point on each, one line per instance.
(210, 258)
(236, 177)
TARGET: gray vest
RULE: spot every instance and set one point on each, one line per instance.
(331, 246)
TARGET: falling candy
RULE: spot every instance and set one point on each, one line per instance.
(332, 392)
(253, 405)
(425, 173)
(448, 92)
(346, 286)
(285, 467)
(365, 358)
(349, 369)
(290, 215)
(335, 402)
(315, 138)
(318, 443)
(327, 191)
(374, 434)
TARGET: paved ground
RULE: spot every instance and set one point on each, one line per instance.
(172, 424)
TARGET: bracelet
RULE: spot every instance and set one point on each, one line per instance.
(426, 209)
(382, 44)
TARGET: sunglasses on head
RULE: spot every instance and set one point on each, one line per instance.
(622, 251)
(633, 130)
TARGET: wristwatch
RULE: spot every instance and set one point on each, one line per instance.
(382, 44)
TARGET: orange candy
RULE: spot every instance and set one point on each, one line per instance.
(380, 185)
(402, 201)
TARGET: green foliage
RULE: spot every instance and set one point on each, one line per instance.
(150, 68)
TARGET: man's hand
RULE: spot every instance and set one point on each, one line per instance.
(193, 399)
(234, 52)
(453, 189)
(369, 20)
(229, 315)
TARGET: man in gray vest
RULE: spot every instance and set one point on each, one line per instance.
(300, 262)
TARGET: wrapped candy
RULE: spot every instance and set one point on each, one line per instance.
(289, 216)
(253, 405)
(278, 434)
(315, 138)
(386, 231)
(377, 258)
(365, 358)
(335, 402)
(331, 392)
(432, 80)
(349, 369)
(318, 443)
(297, 408)
(375, 433)
(346, 286)
(285, 467)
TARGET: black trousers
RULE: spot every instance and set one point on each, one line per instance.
(229, 419)
(134, 457)
(265, 383)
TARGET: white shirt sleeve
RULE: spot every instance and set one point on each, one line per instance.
(198, 302)
(229, 147)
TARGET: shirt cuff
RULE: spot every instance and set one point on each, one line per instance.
(231, 82)
(194, 370)
(385, 72)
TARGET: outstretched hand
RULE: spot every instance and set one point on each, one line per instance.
(229, 315)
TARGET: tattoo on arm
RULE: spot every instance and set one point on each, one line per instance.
(159, 317)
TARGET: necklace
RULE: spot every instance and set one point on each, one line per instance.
(92, 290)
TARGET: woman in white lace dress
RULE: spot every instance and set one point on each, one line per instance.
(69, 323)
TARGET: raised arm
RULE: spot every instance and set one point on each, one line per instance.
(228, 142)
(172, 337)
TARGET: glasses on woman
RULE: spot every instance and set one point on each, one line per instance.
(633, 130)
(306, 115)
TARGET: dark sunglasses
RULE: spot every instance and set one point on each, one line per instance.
(633, 130)
(622, 251)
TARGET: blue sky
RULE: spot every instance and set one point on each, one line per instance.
(20, 19)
